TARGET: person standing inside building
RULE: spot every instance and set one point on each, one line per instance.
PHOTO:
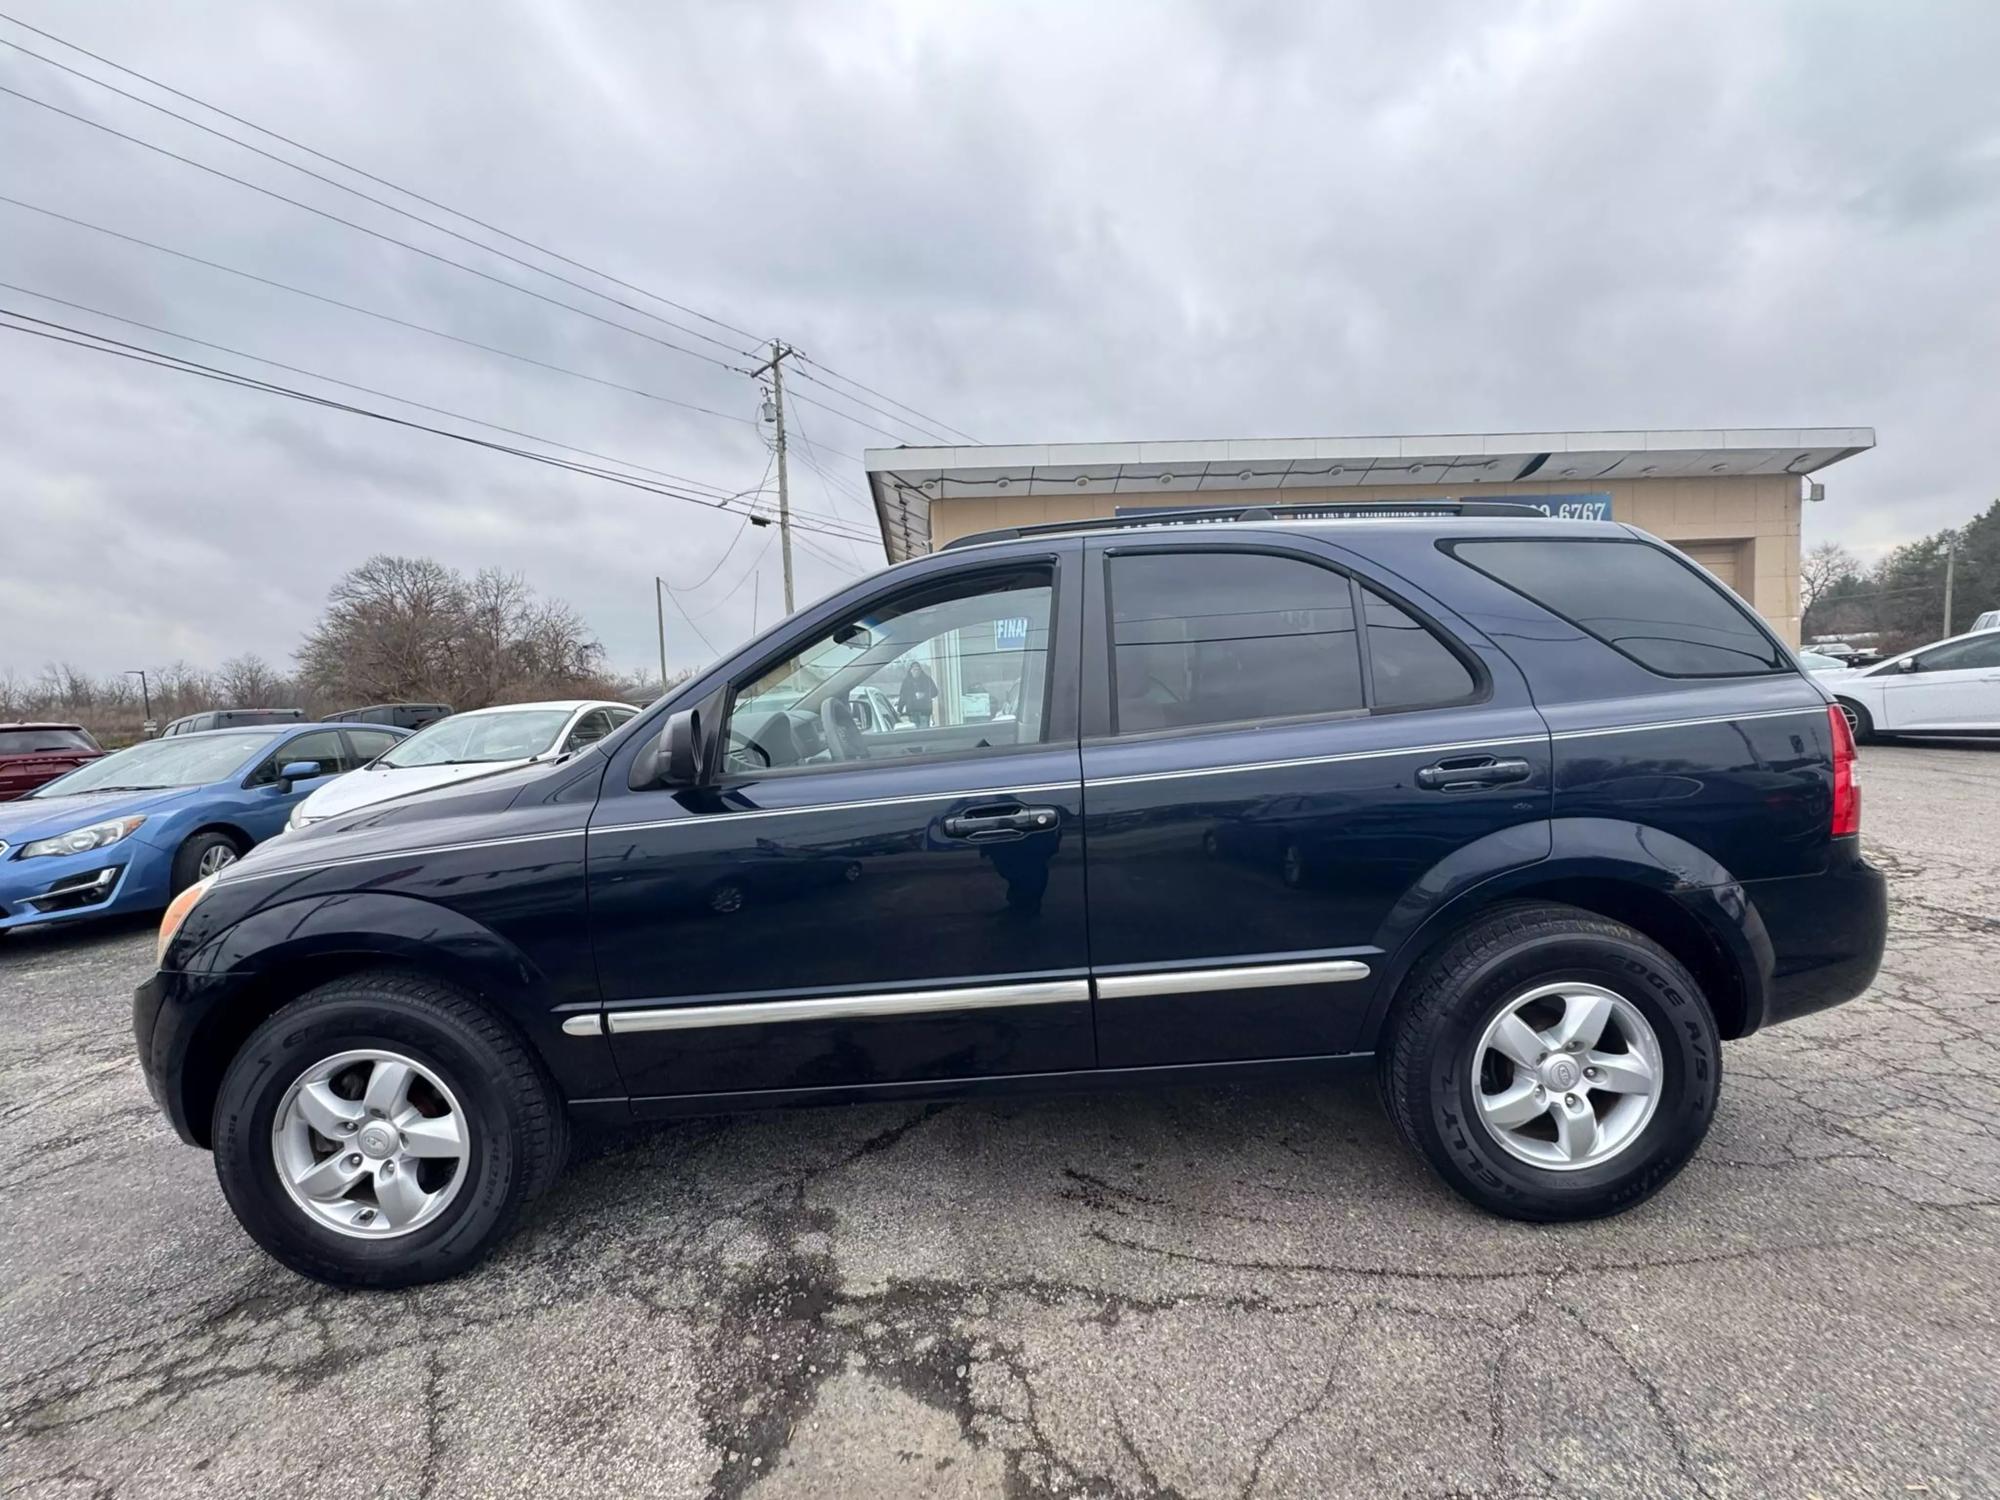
(919, 694)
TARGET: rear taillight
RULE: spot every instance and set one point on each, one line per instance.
(1846, 790)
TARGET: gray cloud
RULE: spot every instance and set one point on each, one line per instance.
(1039, 222)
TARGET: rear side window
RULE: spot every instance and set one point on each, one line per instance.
(1229, 637)
(1411, 667)
(369, 743)
(1637, 598)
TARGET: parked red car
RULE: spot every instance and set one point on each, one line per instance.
(31, 754)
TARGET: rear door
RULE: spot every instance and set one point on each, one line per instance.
(1275, 754)
(833, 907)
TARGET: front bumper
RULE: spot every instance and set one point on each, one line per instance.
(1827, 933)
(64, 887)
(159, 1027)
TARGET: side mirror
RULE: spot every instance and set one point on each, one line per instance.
(296, 770)
(1907, 664)
(681, 748)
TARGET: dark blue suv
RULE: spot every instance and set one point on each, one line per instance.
(1528, 815)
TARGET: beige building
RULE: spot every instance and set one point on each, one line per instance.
(1730, 499)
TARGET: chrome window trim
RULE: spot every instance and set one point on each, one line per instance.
(847, 1007)
(1242, 977)
(948, 794)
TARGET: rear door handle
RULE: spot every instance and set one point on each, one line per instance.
(986, 825)
(1469, 773)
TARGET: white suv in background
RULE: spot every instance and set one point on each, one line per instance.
(1947, 687)
(476, 743)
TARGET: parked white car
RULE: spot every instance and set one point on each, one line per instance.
(1819, 661)
(1947, 687)
(476, 743)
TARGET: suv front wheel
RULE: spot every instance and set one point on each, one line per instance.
(384, 1130)
(1552, 1064)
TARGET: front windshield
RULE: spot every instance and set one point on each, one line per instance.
(185, 760)
(473, 738)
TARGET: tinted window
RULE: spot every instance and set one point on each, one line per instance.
(1635, 597)
(322, 746)
(41, 741)
(1410, 665)
(959, 665)
(368, 743)
(1962, 656)
(1229, 637)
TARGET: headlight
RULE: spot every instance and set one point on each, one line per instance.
(177, 913)
(83, 840)
(298, 819)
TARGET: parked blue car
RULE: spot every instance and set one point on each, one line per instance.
(130, 831)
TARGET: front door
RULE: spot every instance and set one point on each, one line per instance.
(1954, 686)
(880, 878)
(1275, 753)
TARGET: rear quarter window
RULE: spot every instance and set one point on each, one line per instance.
(1639, 599)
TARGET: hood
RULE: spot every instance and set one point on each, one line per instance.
(364, 788)
(45, 817)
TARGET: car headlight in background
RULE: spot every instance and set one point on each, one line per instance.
(83, 840)
(298, 819)
(177, 913)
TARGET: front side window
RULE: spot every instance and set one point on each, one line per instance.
(955, 666)
(1636, 598)
(591, 728)
(322, 748)
(1979, 653)
(1227, 638)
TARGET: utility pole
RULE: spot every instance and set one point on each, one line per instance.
(1950, 558)
(146, 696)
(660, 609)
(779, 352)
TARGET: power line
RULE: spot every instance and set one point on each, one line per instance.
(276, 364)
(370, 312)
(375, 233)
(871, 406)
(748, 573)
(140, 354)
(850, 380)
(382, 181)
(333, 182)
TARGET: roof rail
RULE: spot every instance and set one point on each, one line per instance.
(1319, 511)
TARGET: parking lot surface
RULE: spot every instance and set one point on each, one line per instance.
(1228, 1292)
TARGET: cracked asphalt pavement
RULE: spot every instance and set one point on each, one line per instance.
(1213, 1292)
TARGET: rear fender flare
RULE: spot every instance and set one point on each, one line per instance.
(1580, 851)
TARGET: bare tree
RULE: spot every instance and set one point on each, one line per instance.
(1822, 568)
(248, 681)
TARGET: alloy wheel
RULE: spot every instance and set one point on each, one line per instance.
(370, 1144)
(215, 857)
(1567, 1075)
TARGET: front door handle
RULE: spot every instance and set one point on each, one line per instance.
(1469, 773)
(988, 825)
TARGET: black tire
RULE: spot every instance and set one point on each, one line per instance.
(1426, 1061)
(1859, 721)
(518, 1131)
(194, 849)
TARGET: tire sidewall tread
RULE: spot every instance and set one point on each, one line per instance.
(518, 1127)
(1450, 999)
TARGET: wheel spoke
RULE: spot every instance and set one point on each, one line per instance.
(399, 1194)
(1585, 1016)
(1515, 1105)
(1576, 1130)
(1620, 1072)
(1521, 1043)
(326, 1111)
(441, 1136)
(328, 1179)
(388, 1088)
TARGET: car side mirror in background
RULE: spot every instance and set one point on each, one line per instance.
(296, 770)
(1907, 664)
(682, 748)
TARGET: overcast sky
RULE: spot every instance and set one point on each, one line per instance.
(1037, 223)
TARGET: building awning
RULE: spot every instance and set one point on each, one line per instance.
(904, 481)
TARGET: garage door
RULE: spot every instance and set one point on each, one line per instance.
(1719, 558)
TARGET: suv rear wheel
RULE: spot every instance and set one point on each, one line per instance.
(1552, 1064)
(384, 1130)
